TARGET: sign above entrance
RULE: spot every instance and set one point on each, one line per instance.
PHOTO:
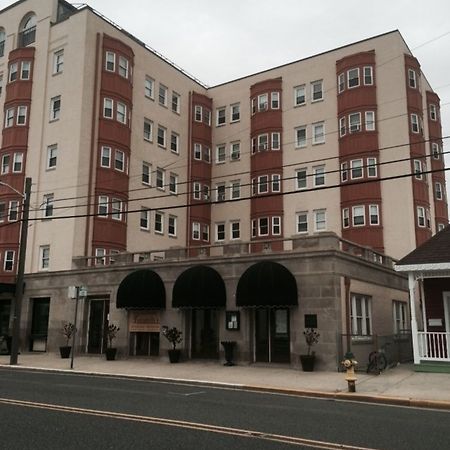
(144, 322)
(72, 291)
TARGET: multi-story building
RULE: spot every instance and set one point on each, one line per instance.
(128, 155)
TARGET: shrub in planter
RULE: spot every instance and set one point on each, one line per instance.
(68, 330)
(308, 360)
(174, 336)
(111, 334)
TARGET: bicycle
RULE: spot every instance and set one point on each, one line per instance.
(377, 360)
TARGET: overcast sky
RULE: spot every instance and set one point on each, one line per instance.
(218, 41)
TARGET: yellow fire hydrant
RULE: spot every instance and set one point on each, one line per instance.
(350, 363)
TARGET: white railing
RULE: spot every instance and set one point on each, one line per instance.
(434, 346)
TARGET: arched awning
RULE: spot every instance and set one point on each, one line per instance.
(266, 284)
(142, 289)
(199, 287)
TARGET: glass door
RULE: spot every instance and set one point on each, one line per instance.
(98, 317)
(39, 324)
(205, 333)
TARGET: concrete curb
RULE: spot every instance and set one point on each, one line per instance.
(339, 395)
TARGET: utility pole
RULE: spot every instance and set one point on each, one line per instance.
(20, 274)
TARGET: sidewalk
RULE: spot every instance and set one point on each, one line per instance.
(400, 385)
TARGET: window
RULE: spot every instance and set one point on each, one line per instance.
(263, 102)
(52, 155)
(421, 216)
(235, 188)
(198, 113)
(276, 226)
(263, 226)
(121, 115)
(2, 211)
(342, 126)
(206, 154)
(356, 168)
(159, 222)
(55, 108)
(8, 263)
(300, 136)
(418, 169)
(172, 226)
(263, 140)
(319, 176)
(345, 218)
(254, 228)
(207, 116)
(2, 42)
(161, 139)
(205, 232)
(220, 116)
(412, 81)
(435, 150)
(162, 96)
(372, 167)
(220, 231)
(220, 192)
(235, 111)
(263, 184)
(353, 78)
(108, 108)
(440, 226)
(344, 172)
(316, 90)
(318, 133)
(205, 192)
(341, 82)
(13, 69)
(146, 173)
(58, 61)
(47, 205)
(100, 256)
(119, 160)
(299, 95)
(374, 215)
(176, 99)
(275, 100)
(173, 183)
(414, 123)
(399, 316)
(301, 178)
(17, 162)
(220, 154)
(275, 141)
(116, 209)
(103, 206)
(360, 315)
(197, 190)
(354, 122)
(433, 111)
(6, 161)
(25, 70)
(13, 213)
(110, 62)
(235, 229)
(358, 214)
(370, 120)
(21, 115)
(148, 130)
(123, 67)
(276, 183)
(320, 220)
(196, 231)
(1, 84)
(160, 175)
(197, 151)
(174, 142)
(368, 75)
(438, 191)
(9, 117)
(302, 222)
(149, 87)
(235, 152)
(44, 257)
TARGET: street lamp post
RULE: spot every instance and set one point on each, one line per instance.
(21, 270)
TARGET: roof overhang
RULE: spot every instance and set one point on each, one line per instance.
(433, 267)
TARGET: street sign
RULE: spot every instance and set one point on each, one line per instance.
(82, 292)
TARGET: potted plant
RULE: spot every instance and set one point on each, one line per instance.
(68, 330)
(174, 336)
(111, 333)
(311, 338)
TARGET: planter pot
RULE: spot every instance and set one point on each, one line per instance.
(174, 356)
(65, 351)
(111, 354)
(307, 362)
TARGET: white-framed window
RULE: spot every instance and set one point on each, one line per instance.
(368, 75)
(123, 67)
(435, 151)
(8, 262)
(418, 169)
(353, 78)
(160, 176)
(176, 102)
(172, 226)
(235, 151)
(301, 219)
(440, 226)
(220, 153)
(221, 117)
(21, 118)
(275, 100)
(318, 133)
(412, 78)
(342, 126)
(173, 183)
(276, 183)
(263, 184)
(44, 257)
(356, 168)
(146, 173)
(220, 192)
(361, 315)
(103, 205)
(47, 205)
(108, 105)
(174, 142)
(300, 95)
(105, 158)
(162, 95)
(300, 136)
(159, 222)
(320, 219)
(116, 209)
(319, 175)
(358, 216)
(198, 113)
(301, 179)
(110, 61)
(235, 188)
(374, 213)
(207, 116)
(13, 72)
(438, 190)
(205, 232)
(421, 216)
(100, 256)
(275, 144)
(206, 194)
(341, 82)
(433, 111)
(276, 226)
(9, 117)
(235, 112)
(198, 151)
(263, 102)
(17, 162)
(52, 156)
(148, 130)
(263, 142)
(58, 61)
(13, 212)
(196, 231)
(1, 84)
(149, 87)
(354, 122)
(206, 154)
(344, 172)
(55, 108)
(119, 160)
(2, 211)
(345, 218)
(161, 138)
(263, 226)
(399, 315)
(414, 123)
(25, 70)
(235, 227)
(370, 120)
(372, 171)
(316, 90)
(121, 114)
(197, 190)
(220, 232)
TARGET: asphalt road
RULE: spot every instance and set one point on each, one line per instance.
(40, 410)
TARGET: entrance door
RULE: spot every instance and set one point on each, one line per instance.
(98, 321)
(39, 324)
(205, 333)
(272, 337)
(5, 311)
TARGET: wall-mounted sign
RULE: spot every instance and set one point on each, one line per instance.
(435, 322)
(144, 322)
(232, 320)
